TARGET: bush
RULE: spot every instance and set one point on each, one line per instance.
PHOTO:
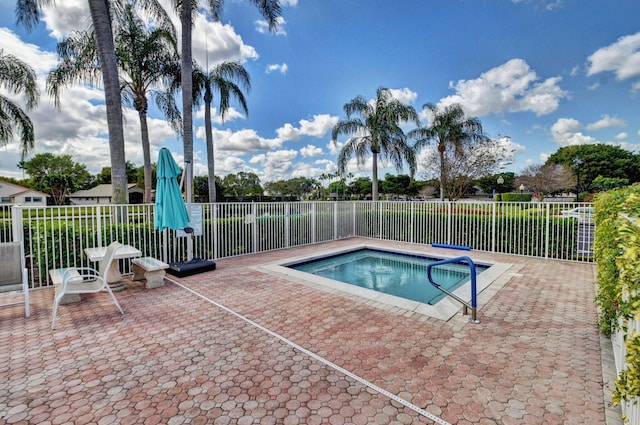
(617, 252)
(516, 197)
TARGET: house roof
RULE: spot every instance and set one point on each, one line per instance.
(100, 191)
(16, 190)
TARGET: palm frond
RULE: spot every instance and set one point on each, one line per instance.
(12, 116)
(19, 78)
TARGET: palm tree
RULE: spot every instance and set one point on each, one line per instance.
(270, 10)
(28, 14)
(449, 129)
(19, 78)
(375, 129)
(145, 60)
(222, 78)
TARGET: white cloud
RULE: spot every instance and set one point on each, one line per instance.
(277, 165)
(282, 69)
(41, 62)
(622, 58)
(335, 147)
(288, 133)
(213, 39)
(404, 95)
(318, 127)
(231, 115)
(228, 162)
(605, 122)
(216, 43)
(632, 147)
(621, 136)
(548, 5)
(510, 87)
(310, 151)
(575, 71)
(262, 26)
(245, 141)
(62, 18)
(567, 132)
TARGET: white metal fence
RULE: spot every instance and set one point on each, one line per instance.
(57, 236)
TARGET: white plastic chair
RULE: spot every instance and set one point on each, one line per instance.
(13, 275)
(86, 280)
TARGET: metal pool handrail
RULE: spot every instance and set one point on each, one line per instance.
(473, 305)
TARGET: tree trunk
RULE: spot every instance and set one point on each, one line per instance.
(187, 95)
(374, 180)
(146, 156)
(209, 136)
(106, 51)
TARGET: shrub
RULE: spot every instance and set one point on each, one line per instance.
(516, 197)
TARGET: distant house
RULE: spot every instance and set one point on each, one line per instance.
(12, 194)
(101, 194)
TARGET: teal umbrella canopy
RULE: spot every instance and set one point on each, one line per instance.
(170, 211)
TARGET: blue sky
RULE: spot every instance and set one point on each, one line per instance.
(539, 74)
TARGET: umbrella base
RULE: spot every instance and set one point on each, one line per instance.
(188, 268)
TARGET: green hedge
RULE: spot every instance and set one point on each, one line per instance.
(617, 252)
(513, 197)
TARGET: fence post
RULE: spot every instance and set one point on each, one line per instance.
(313, 222)
(214, 224)
(254, 227)
(546, 231)
(494, 218)
(99, 224)
(335, 221)
(378, 207)
(287, 225)
(16, 224)
(354, 217)
(413, 222)
(449, 222)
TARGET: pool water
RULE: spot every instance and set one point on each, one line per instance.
(402, 275)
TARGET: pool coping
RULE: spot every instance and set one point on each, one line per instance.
(487, 283)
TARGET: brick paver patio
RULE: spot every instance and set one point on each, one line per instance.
(177, 358)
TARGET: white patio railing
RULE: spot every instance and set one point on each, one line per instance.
(57, 236)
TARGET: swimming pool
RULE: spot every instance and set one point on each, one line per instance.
(393, 273)
(488, 282)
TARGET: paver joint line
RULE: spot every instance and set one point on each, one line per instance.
(317, 357)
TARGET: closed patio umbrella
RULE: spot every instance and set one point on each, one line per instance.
(170, 211)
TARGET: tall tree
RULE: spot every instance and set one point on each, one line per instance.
(19, 78)
(241, 185)
(449, 129)
(146, 59)
(463, 166)
(58, 175)
(545, 179)
(228, 79)
(375, 129)
(598, 160)
(28, 14)
(104, 176)
(270, 10)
